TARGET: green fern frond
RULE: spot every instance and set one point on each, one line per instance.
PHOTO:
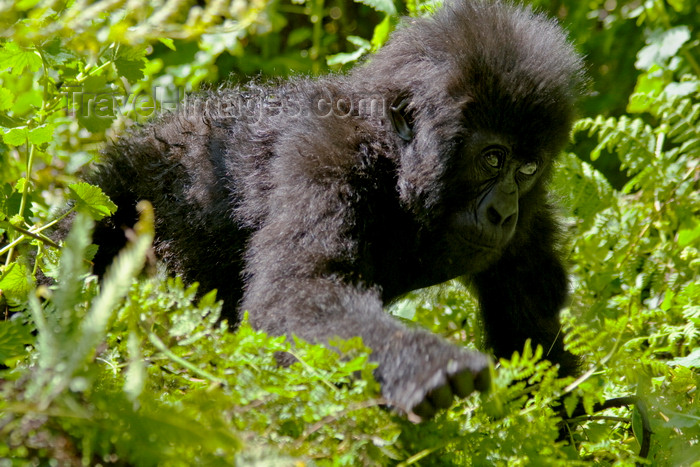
(622, 136)
(682, 117)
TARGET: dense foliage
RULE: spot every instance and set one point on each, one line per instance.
(135, 371)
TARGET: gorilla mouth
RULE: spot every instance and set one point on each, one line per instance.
(467, 239)
(468, 231)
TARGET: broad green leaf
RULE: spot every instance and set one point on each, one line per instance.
(385, 6)
(359, 41)
(91, 86)
(18, 59)
(94, 104)
(10, 122)
(130, 63)
(647, 88)
(19, 136)
(92, 200)
(297, 36)
(678, 5)
(15, 283)
(26, 4)
(56, 54)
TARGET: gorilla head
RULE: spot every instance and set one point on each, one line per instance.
(480, 98)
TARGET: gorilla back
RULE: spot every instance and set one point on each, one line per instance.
(312, 202)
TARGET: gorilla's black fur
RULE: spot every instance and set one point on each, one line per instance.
(313, 202)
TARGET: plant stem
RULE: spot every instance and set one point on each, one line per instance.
(317, 35)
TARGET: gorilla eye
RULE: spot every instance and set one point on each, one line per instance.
(494, 156)
(528, 168)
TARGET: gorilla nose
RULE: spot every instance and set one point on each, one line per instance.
(503, 218)
(498, 216)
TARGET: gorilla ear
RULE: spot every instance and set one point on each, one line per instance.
(401, 118)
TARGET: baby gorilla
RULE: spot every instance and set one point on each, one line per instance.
(314, 202)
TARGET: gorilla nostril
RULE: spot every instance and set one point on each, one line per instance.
(493, 216)
(498, 220)
(510, 220)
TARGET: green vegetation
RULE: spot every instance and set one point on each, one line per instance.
(134, 371)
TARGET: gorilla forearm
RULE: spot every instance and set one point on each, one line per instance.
(526, 289)
(325, 309)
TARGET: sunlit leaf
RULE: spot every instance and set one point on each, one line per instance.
(92, 200)
(18, 59)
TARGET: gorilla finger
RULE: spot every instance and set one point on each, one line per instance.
(441, 397)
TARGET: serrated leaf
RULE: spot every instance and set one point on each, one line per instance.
(15, 283)
(17, 59)
(130, 63)
(21, 135)
(19, 185)
(586, 189)
(92, 200)
(385, 6)
(55, 54)
(114, 287)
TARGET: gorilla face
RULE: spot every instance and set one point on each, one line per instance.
(490, 218)
(473, 182)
